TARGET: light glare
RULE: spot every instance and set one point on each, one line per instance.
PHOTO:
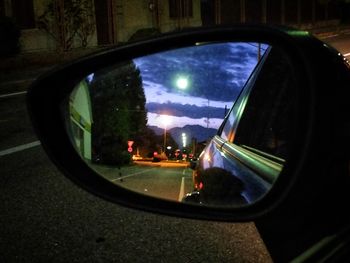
(182, 83)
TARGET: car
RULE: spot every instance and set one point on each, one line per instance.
(255, 143)
(137, 157)
(159, 157)
(280, 157)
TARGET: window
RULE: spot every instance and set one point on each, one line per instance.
(180, 8)
(235, 114)
(228, 129)
(267, 122)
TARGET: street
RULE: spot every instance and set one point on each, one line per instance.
(341, 43)
(163, 180)
(46, 218)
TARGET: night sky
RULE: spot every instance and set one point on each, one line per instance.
(215, 74)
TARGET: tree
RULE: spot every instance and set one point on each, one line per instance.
(119, 115)
(67, 20)
(150, 143)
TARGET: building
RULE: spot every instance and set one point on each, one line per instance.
(118, 20)
(106, 21)
(110, 22)
(80, 123)
(299, 13)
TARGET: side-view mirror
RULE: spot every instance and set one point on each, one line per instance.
(126, 124)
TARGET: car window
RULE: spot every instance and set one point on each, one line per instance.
(226, 130)
(231, 121)
(267, 120)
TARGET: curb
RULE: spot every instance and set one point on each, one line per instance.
(44, 58)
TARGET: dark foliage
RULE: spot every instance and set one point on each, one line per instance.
(119, 116)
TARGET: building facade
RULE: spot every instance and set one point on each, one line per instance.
(107, 21)
(110, 22)
(285, 12)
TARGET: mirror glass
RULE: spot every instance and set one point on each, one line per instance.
(207, 124)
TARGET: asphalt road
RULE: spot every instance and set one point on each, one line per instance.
(46, 218)
(164, 180)
(341, 43)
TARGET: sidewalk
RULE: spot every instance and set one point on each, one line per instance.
(28, 66)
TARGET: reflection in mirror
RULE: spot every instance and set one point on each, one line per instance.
(164, 125)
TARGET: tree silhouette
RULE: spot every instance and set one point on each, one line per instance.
(119, 115)
(68, 20)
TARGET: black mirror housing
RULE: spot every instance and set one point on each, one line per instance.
(47, 93)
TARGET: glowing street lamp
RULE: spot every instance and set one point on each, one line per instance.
(182, 83)
(184, 140)
(166, 121)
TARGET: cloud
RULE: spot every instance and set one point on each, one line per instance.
(191, 111)
(215, 72)
(156, 93)
(174, 121)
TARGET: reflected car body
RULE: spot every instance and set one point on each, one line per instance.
(256, 160)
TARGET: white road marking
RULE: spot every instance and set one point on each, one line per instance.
(19, 148)
(346, 55)
(182, 189)
(129, 175)
(13, 94)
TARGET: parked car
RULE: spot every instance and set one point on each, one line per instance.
(283, 150)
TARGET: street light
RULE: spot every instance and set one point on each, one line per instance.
(166, 121)
(182, 83)
(184, 140)
(208, 113)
